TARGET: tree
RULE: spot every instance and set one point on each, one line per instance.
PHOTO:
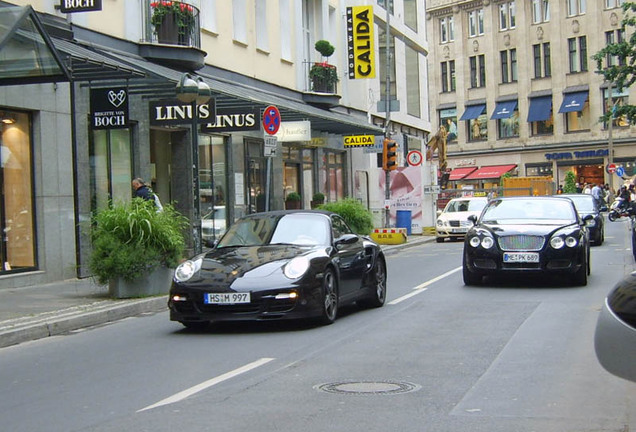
(622, 74)
(569, 186)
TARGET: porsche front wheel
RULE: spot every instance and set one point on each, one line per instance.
(329, 298)
(378, 286)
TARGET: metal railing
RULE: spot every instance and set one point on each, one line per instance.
(172, 23)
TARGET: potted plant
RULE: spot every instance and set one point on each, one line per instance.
(173, 21)
(135, 247)
(317, 199)
(323, 75)
(292, 201)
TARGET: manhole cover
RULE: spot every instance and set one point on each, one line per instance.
(368, 387)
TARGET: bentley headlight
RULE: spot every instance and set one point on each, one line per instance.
(557, 242)
(187, 269)
(474, 241)
(571, 241)
(487, 242)
(296, 267)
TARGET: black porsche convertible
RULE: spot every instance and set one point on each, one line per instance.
(279, 265)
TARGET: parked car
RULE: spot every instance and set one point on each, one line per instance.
(586, 205)
(527, 235)
(213, 224)
(632, 223)
(615, 335)
(280, 265)
(453, 221)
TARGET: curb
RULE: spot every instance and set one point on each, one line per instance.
(20, 330)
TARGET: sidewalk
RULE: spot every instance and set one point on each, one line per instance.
(36, 312)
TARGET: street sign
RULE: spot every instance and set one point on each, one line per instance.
(620, 171)
(271, 120)
(414, 157)
(270, 146)
(611, 168)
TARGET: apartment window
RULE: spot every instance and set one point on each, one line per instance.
(448, 119)
(540, 115)
(382, 64)
(447, 29)
(448, 76)
(476, 122)
(285, 30)
(577, 48)
(541, 53)
(576, 7)
(410, 14)
(382, 3)
(208, 15)
(262, 39)
(477, 71)
(413, 82)
(576, 108)
(239, 24)
(612, 37)
(611, 4)
(619, 98)
(507, 115)
(507, 16)
(508, 66)
(540, 11)
(476, 22)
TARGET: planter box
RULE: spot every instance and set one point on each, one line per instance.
(157, 282)
(168, 32)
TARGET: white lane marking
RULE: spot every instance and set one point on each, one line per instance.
(423, 287)
(209, 383)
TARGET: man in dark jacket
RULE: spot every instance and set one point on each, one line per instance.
(142, 191)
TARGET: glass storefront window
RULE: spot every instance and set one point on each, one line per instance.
(578, 120)
(334, 186)
(212, 186)
(17, 249)
(478, 128)
(111, 167)
(448, 119)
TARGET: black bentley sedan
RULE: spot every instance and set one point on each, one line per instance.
(527, 235)
(279, 265)
(586, 205)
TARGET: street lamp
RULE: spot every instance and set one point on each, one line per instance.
(195, 92)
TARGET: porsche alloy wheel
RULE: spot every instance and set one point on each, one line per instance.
(378, 281)
(330, 297)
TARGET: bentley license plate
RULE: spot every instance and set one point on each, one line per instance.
(226, 298)
(521, 257)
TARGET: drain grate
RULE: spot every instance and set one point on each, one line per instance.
(369, 387)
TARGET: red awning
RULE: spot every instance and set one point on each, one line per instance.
(490, 172)
(460, 173)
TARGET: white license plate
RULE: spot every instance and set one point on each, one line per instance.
(459, 230)
(226, 298)
(521, 257)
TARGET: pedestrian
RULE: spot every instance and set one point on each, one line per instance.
(560, 190)
(587, 189)
(597, 194)
(142, 190)
(579, 189)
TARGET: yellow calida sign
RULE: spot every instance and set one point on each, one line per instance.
(359, 141)
(360, 42)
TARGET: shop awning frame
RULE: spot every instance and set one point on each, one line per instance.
(490, 172)
(461, 172)
(473, 111)
(504, 110)
(573, 102)
(540, 108)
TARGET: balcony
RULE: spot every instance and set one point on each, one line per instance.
(172, 34)
(322, 85)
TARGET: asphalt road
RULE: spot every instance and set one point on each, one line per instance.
(513, 355)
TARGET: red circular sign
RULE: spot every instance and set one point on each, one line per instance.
(271, 120)
(611, 168)
(414, 157)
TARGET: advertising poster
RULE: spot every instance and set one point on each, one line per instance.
(406, 194)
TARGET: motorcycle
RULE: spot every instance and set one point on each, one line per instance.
(619, 210)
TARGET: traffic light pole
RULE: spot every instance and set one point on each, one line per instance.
(387, 105)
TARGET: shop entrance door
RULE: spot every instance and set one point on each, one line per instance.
(256, 171)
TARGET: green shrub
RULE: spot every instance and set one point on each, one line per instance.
(569, 187)
(130, 240)
(357, 216)
(324, 48)
(293, 196)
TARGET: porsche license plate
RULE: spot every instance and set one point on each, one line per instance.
(226, 298)
(521, 257)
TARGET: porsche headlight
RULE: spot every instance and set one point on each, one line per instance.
(187, 269)
(296, 267)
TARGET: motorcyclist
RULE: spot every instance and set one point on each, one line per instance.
(625, 197)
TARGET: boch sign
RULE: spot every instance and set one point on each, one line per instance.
(109, 108)
(71, 6)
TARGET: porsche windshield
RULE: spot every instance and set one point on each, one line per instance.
(296, 229)
(529, 211)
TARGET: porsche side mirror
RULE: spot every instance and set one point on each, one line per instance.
(346, 239)
(615, 335)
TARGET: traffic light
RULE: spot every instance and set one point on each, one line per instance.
(389, 155)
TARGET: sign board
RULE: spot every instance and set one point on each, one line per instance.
(271, 120)
(233, 120)
(611, 168)
(294, 131)
(71, 6)
(270, 146)
(414, 157)
(109, 108)
(175, 112)
(620, 171)
(360, 42)
(359, 141)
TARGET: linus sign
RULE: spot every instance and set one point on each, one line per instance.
(360, 57)
(109, 108)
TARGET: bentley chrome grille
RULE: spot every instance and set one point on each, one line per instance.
(521, 242)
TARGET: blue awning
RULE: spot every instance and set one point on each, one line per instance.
(504, 110)
(473, 111)
(573, 102)
(540, 108)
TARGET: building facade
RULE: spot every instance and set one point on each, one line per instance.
(65, 156)
(515, 85)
